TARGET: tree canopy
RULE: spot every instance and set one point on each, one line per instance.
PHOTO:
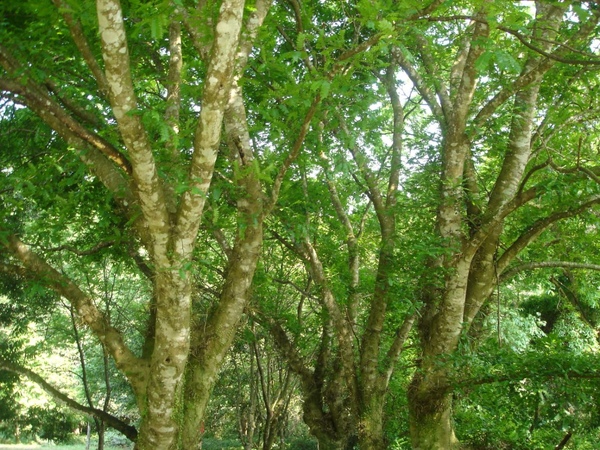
(376, 200)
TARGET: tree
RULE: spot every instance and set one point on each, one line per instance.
(476, 227)
(148, 183)
(495, 179)
(489, 117)
(128, 113)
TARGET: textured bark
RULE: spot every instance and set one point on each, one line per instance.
(172, 291)
(78, 35)
(370, 426)
(470, 267)
(431, 425)
(211, 343)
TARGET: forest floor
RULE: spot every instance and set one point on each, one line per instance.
(53, 447)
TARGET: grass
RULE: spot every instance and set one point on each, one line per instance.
(53, 447)
(93, 446)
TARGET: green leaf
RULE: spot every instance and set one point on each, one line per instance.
(484, 61)
(157, 26)
(506, 62)
(385, 26)
(300, 40)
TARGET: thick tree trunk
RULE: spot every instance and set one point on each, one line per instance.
(370, 429)
(429, 399)
(210, 344)
(330, 435)
(325, 443)
(431, 426)
(158, 429)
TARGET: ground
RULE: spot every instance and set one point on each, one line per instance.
(53, 447)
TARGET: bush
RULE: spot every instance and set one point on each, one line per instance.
(218, 444)
(303, 443)
(113, 438)
(55, 425)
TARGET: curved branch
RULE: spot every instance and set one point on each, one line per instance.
(90, 251)
(591, 61)
(547, 264)
(128, 431)
(536, 229)
(416, 78)
(397, 346)
(37, 268)
(124, 105)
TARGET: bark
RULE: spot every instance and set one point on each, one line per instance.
(275, 398)
(470, 265)
(210, 344)
(370, 427)
(246, 413)
(99, 424)
(431, 425)
(564, 441)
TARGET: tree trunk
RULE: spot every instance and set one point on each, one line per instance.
(430, 409)
(325, 443)
(101, 429)
(563, 443)
(370, 429)
(87, 436)
(211, 344)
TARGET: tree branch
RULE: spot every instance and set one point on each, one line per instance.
(207, 137)
(114, 422)
(83, 46)
(37, 268)
(395, 349)
(512, 271)
(90, 251)
(124, 106)
(537, 228)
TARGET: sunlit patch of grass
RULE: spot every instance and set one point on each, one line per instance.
(55, 447)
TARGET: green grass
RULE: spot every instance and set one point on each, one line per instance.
(93, 446)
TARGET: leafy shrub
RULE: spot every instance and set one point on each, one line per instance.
(218, 444)
(303, 443)
(113, 438)
(52, 424)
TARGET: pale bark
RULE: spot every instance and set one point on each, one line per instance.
(472, 270)
(211, 343)
(123, 102)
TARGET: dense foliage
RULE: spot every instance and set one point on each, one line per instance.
(370, 224)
